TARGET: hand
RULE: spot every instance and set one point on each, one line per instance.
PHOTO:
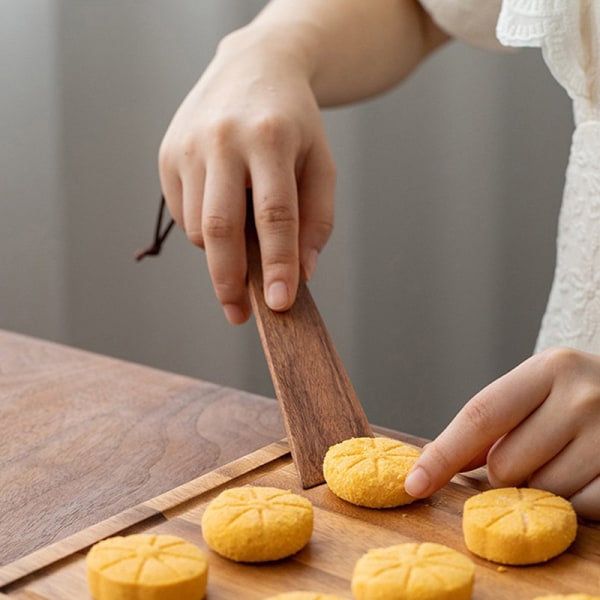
(538, 425)
(251, 121)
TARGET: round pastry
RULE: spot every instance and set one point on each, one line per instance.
(146, 567)
(413, 572)
(568, 597)
(304, 596)
(518, 526)
(370, 471)
(257, 524)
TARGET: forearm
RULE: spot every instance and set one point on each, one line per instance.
(348, 49)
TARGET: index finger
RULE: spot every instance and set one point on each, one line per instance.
(493, 412)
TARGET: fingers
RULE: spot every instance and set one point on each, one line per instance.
(570, 470)
(276, 219)
(208, 202)
(211, 209)
(530, 444)
(233, 131)
(557, 447)
(276, 213)
(191, 204)
(293, 215)
(585, 501)
(170, 184)
(316, 191)
(221, 226)
(494, 411)
(541, 423)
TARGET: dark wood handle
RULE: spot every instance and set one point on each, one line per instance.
(319, 405)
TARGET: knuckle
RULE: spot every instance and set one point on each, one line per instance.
(195, 236)
(177, 149)
(560, 359)
(586, 503)
(323, 228)
(220, 132)
(276, 214)
(274, 130)
(280, 259)
(217, 227)
(438, 457)
(499, 470)
(577, 380)
(504, 467)
(478, 414)
(165, 157)
(227, 291)
(586, 401)
(229, 282)
(174, 207)
(545, 479)
(189, 145)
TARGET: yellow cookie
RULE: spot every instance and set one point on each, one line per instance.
(257, 524)
(568, 597)
(304, 596)
(370, 471)
(146, 567)
(413, 572)
(518, 526)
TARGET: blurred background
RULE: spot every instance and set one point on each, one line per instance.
(436, 277)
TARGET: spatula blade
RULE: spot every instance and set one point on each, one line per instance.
(318, 402)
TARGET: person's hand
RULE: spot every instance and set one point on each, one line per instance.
(251, 121)
(538, 425)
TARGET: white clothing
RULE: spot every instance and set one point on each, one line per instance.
(568, 33)
(472, 21)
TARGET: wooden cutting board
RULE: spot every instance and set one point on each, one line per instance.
(342, 533)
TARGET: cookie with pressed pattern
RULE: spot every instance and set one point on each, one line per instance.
(257, 524)
(370, 471)
(413, 571)
(568, 597)
(146, 567)
(518, 526)
(304, 596)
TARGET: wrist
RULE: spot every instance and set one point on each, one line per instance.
(290, 46)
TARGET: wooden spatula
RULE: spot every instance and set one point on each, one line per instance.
(319, 405)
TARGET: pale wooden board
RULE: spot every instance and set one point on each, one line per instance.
(342, 534)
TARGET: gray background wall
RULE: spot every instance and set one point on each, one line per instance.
(436, 277)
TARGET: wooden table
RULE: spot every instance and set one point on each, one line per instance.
(93, 447)
(86, 436)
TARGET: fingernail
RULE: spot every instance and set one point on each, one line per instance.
(234, 314)
(310, 264)
(277, 295)
(417, 483)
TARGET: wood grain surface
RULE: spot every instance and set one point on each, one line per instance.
(85, 437)
(318, 402)
(342, 534)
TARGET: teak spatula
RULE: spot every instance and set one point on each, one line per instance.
(318, 402)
